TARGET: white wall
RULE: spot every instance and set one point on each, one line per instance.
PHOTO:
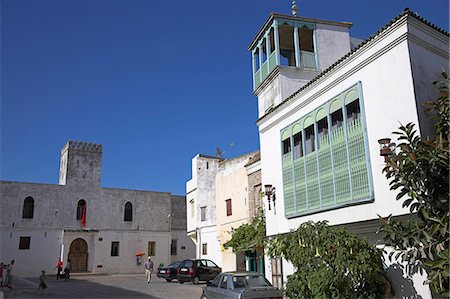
(208, 235)
(388, 95)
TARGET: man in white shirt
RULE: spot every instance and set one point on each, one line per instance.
(148, 269)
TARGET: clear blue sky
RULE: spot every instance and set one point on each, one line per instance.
(154, 81)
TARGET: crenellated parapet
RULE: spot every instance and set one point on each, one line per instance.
(82, 146)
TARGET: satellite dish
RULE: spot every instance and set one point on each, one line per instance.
(219, 152)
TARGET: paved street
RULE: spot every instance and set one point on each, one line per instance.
(94, 286)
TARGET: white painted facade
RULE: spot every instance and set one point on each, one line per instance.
(231, 184)
(157, 217)
(395, 70)
(201, 207)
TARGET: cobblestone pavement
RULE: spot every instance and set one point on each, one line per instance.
(94, 286)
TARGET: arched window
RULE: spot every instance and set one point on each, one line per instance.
(28, 207)
(80, 208)
(128, 212)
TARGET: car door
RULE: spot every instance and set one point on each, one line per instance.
(213, 269)
(202, 270)
(213, 291)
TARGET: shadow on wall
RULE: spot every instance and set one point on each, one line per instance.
(403, 287)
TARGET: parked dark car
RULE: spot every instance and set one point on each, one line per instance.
(170, 272)
(240, 285)
(197, 270)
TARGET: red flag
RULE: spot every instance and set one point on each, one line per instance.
(83, 216)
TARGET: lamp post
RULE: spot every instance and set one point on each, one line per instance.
(386, 148)
(270, 193)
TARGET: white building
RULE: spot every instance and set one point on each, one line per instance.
(323, 104)
(221, 195)
(40, 223)
(201, 207)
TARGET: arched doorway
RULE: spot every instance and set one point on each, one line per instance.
(78, 255)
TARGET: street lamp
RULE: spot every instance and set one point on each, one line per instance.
(386, 148)
(270, 193)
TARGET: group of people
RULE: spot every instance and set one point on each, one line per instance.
(6, 274)
(67, 269)
(59, 274)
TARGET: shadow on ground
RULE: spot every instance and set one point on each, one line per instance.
(25, 288)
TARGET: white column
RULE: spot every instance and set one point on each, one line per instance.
(296, 47)
(260, 62)
(253, 68)
(276, 39)
(267, 37)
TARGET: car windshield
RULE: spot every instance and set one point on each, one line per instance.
(174, 265)
(188, 264)
(250, 281)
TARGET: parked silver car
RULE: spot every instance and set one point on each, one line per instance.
(240, 285)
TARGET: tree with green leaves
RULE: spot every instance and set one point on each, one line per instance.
(419, 170)
(249, 236)
(330, 262)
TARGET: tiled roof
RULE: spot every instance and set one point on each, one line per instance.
(405, 12)
(254, 159)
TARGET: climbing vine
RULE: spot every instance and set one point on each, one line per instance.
(249, 236)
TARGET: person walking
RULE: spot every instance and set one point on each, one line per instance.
(42, 282)
(5, 275)
(67, 269)
(148, 269)
(10, 272)
(59, 265)
(1, 274)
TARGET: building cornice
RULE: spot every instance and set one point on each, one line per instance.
(350, 57)
(293, 18)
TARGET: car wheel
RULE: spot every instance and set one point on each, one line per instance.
(168, 279)
(179, 281)
(196, 280)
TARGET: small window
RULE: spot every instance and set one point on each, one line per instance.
(80, 208)
(298, 148)
(256, 57)
(322, 128)
(353, 111)
(336, 119)
(277, 272)
(128, 212)
(287, 48)
(211, 264)
(305, 36)
(151, 248)
(114, 248)
(204, 248)
(309, 142)
(286, 146)
(24, 242)
(228, 204)
(216, 281)
(203, 214)
(223, 283)
(264, 51)
(192, 209)
(173, 247)
(28, 208)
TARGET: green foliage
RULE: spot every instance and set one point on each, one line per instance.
(419, 171)
(330, 262)
(249, 236)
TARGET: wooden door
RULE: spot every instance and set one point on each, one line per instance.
(78, 255)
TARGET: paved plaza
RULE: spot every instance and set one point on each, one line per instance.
(95, 286)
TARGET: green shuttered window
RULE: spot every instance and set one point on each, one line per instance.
(324, 158)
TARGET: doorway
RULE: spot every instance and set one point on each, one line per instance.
(78, 255)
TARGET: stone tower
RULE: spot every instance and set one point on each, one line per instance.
(80, 164)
